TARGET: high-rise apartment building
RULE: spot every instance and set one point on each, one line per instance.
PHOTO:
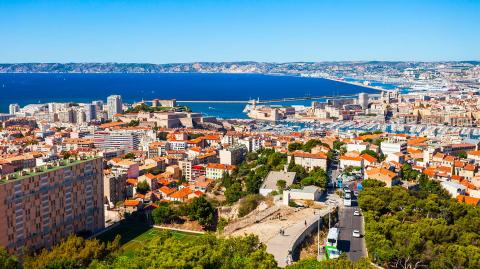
(363, 100)
(42, 205)
(90, 112)
(13, 109)
(117, 140)
(114, 104)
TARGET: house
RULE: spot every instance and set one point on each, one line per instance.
(270, 183)
(202, 184)
(166, 192)
(368, 159)
(454, 188)
(382, 174)
(150, 179)
(357, 146)
(132, 205)
(181, 195)
(310, 193)
(396, 157)
(309, 160)
(474, 155)
(129, 167)
(345, 161)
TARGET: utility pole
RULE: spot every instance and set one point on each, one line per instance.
(318, 235)
(328, 220)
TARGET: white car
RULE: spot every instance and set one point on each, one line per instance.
(356, 213)
(356, 233)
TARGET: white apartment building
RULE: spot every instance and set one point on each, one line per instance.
(393, 147)
(216, 170)
(233, 155)
(114, 140)
(114, 105)
(13, 109)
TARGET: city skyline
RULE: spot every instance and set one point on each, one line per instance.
(265, 31)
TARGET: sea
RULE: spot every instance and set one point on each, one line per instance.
(34, 88)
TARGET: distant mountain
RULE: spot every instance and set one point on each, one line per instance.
(200, 67)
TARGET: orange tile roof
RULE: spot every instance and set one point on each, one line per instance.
(417, 140)
(474, 153)
(131, 203)
(112, 124)
(132, 181)
(382, 171)
(220, 166)
(166, 190)
(198, 193)
(369, 158)
(303, 154)
(350, 158)
(468, 200)
(180, 194)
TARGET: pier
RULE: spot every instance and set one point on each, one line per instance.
(358, 84)
(258, 101)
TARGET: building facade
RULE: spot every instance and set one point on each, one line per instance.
(43, 205)
(114, 105)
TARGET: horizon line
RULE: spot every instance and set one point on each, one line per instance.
(249, 61)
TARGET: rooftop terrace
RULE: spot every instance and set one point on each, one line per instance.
(38, 170)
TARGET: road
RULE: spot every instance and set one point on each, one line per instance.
(354, 247)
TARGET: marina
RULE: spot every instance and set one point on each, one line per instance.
(429, 131)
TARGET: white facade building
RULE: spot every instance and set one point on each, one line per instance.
(13, 109)
(114, 105)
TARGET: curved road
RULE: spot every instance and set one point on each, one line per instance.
(280, 245)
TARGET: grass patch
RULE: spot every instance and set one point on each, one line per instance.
(136, 234)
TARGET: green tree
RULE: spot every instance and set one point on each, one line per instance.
(234, 193)
(371, 183)
(163, 214)
(313, 143)
(253, 182)
(370, 152)
(162, 136)
(129, 155)
(74, 252)
(143, 187)
(7, 261)
(341, 262)
(337, 144)
(202, 211)
(202, 252)
(294, 146)
(281, 184)
(134, 123)
(248, 204)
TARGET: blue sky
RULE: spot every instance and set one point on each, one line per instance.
(274, 31)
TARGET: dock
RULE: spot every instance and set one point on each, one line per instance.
(258, 101)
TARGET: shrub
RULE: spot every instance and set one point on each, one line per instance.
(248, 204)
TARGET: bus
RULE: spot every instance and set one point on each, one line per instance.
(332, 237)
(331, 251)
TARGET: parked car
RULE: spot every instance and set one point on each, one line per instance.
(356, 213)
(356, 233)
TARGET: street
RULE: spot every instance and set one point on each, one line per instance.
(354, 247)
